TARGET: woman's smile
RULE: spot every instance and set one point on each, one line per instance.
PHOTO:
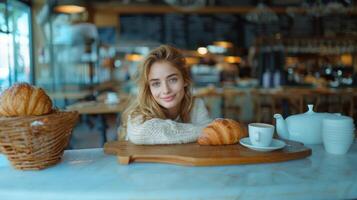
(169, 98)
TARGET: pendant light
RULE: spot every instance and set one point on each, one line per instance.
(70, 6)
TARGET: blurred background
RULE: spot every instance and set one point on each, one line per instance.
(248, 59)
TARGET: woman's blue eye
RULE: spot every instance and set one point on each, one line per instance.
(155, 84)
(173, 80)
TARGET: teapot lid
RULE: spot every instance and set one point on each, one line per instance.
(308, 115)
(310, 109)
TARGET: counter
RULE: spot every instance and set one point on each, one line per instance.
(90, 174)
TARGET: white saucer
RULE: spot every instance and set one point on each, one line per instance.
(275, 144)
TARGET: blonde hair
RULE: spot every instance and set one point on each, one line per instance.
(145, 105)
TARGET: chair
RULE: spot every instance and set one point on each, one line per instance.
(346, 100)
(337, 100)
(231, 108)
(271, 101)
(313, 98)
(210, 97)
(298, 98)
(264, 105)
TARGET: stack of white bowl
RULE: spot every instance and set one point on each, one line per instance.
(338, 134)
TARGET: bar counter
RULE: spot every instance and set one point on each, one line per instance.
(91, 174)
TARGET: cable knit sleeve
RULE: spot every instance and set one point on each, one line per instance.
(165, 131)
(199, 114)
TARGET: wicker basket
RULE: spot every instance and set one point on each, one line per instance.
(36, 142)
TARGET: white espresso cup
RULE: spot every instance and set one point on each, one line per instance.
(260, 134)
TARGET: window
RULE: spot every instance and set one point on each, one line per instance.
(15, 43)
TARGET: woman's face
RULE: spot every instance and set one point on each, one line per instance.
(167, 86)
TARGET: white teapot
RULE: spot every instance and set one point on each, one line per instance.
(305, 127)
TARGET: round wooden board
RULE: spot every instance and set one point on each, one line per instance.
(193, 154)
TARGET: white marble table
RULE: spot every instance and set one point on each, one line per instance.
(90, 174)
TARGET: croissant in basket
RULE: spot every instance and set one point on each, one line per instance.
(222, 132)
(22, 99)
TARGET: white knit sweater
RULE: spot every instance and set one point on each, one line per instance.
(166, 131)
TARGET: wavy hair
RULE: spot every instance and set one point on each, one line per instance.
(145, 105)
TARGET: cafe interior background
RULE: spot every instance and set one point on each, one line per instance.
(248, 59)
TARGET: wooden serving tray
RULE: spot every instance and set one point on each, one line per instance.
(193, 154)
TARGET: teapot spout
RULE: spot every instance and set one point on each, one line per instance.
(281, 126)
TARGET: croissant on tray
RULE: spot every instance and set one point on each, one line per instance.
(23, 99)
(222, 132)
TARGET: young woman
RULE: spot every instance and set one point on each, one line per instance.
(164, 111)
